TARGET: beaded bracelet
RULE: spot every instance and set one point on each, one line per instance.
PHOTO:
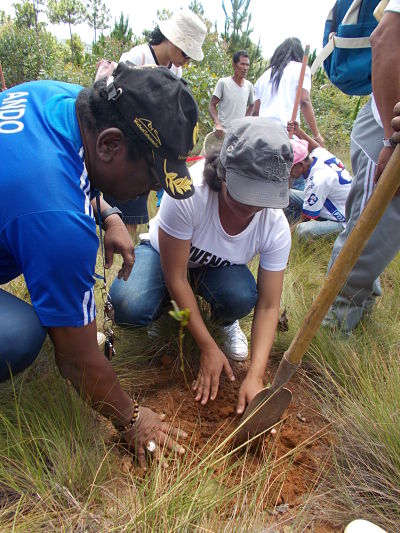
(124, 428)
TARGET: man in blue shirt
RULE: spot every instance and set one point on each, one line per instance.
(59, 145)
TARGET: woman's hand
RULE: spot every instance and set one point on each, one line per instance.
(118, 241)
(212, 361)
(249, 388)
(151, 428)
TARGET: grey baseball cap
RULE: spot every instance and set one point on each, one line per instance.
(257, 156)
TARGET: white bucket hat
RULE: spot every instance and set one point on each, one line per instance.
(186, 31)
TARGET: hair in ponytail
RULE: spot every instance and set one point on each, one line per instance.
(214, 173)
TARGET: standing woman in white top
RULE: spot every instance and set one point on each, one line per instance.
(275, 90)
(173, 43)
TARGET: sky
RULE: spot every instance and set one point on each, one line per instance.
(272, 20)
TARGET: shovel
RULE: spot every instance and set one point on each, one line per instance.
(268, 405)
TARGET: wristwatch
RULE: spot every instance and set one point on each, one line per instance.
(389, 143)
(108, 212)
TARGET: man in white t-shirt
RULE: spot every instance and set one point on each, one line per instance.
(234, 95)
(322, 204)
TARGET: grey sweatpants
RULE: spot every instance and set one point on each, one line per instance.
(362, 286)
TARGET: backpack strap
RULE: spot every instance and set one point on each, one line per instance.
(351, 17)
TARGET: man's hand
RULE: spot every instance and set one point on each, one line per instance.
(248, 389)
(384, 156)
(118, 241)
(212, 361)
(219, 131)
(396, 123)
(150, 427)
(387, 151)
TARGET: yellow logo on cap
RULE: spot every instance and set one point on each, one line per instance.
(195, 133)
(175, 184)
(146, 127)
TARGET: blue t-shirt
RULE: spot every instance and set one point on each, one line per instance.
(47, 229)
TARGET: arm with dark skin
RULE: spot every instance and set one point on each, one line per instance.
(212, 109)
(386, 76)
(309, 116)
(174, 255)
(396, 123)
(256, 109)
(116, 241)
(266, 315)
(249, 110)
(294, 128)
(80, 360)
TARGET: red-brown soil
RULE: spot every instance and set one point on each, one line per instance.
(302, 439)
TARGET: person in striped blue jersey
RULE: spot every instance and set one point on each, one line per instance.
(59, 145)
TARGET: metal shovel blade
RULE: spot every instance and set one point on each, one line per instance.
(264, 410)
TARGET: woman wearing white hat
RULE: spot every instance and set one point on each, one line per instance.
(173, 43)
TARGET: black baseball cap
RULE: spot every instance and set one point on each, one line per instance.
(161, 110)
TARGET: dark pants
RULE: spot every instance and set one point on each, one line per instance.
(22, 335)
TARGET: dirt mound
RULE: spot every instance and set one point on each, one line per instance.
(302, 441)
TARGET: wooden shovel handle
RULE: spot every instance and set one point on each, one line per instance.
(300, 85)
(387, 185)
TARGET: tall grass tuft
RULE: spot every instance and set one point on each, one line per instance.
(357, 381)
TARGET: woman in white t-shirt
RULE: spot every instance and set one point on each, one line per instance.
(275, 90)
(204, 243)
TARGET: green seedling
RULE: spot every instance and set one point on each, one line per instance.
(182, 316)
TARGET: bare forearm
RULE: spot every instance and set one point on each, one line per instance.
(80, 360)
(98, 384)
(214, 114)
(301, 134)
(262, 338)
(308, 113)
(103, 205)
(250, 110)
(386, 67)
(256, 109)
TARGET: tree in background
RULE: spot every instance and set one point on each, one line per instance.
(4, 18)
(112, 46)
(27, 16)
(24, 54)
(237, 34)
(98, 16)
(197, 8)
(69, 12)
(121, 31)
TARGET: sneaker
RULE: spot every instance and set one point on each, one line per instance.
(235, 346)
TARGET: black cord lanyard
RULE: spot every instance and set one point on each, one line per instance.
(108, 309)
